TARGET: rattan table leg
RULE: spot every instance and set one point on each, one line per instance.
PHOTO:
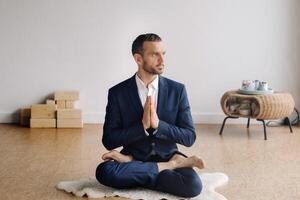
(264, 124)
(289, 123)
(224, 121)
(248, 123)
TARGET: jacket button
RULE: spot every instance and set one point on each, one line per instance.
(153, 152)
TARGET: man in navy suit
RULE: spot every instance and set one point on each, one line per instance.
(147, 115)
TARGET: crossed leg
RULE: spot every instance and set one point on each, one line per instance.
(175, 176)
(177, 161)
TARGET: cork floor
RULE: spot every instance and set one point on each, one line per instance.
(34, 160)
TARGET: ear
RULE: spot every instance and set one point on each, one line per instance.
(138, 59)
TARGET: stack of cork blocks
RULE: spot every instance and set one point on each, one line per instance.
(67, 115)
(59, 112)
(43, 116)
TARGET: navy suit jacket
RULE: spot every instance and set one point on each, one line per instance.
(123, 121)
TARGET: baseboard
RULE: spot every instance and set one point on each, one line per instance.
(8, 117)
(98, 117)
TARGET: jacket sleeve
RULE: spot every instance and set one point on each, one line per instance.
(183, 132)
(114, 134)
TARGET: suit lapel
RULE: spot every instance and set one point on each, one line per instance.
(134, 96)
(162, 96)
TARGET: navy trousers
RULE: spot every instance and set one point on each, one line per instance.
(183, 182)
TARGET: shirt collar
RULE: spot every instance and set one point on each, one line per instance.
(153, 84)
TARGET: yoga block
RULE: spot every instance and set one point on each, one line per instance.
(66, 95)
(25, 116)
(70, 104)
(69, 123)
(25, 121)
(43, 111)
(61, 104)
(25, 112)
(50, 101)
(42, 123)
(69, 114)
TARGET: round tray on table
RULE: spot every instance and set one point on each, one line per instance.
(243, 91)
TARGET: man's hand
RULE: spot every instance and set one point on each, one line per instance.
(146, 116)
(150, 118)
(154, 118)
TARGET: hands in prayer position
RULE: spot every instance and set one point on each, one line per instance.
(150, 118)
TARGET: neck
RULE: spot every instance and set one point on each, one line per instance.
(146, 77)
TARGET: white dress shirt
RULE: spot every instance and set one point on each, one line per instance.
(144, 91)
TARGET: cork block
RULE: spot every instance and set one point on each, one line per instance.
(25, 121)
(42, 123)
(70, 104)
(43, 111)
(61, 104)
(69, 123)
(25, 116)
(66, 95)
(69, 114)
(25, 112)
(50, 101)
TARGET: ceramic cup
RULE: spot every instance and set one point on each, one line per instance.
(263, 85)
(256, 82)
(248, 85)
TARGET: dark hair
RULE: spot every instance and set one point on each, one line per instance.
(137, 45)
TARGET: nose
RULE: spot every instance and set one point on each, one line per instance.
(161, 59)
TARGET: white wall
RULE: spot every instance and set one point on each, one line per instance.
(85, 45)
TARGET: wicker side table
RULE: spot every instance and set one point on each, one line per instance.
(260, 107)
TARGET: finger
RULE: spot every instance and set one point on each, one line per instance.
(152, 106)
(147, 102)
(151, 100)
(153, 112)
(152, 103)
(149, 111)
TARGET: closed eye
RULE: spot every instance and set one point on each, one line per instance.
(157, 53)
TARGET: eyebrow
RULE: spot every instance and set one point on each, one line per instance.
(164, 52)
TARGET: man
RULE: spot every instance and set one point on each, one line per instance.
(147, 115)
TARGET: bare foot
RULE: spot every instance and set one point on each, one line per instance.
(178, 161)
(115, 155)
(193, 161)
(198, 162)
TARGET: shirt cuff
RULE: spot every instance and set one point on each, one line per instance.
(153, 133)
(146, 132)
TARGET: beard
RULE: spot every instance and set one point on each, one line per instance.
(153, 70)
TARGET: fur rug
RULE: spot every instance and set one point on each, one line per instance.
(91, 188)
